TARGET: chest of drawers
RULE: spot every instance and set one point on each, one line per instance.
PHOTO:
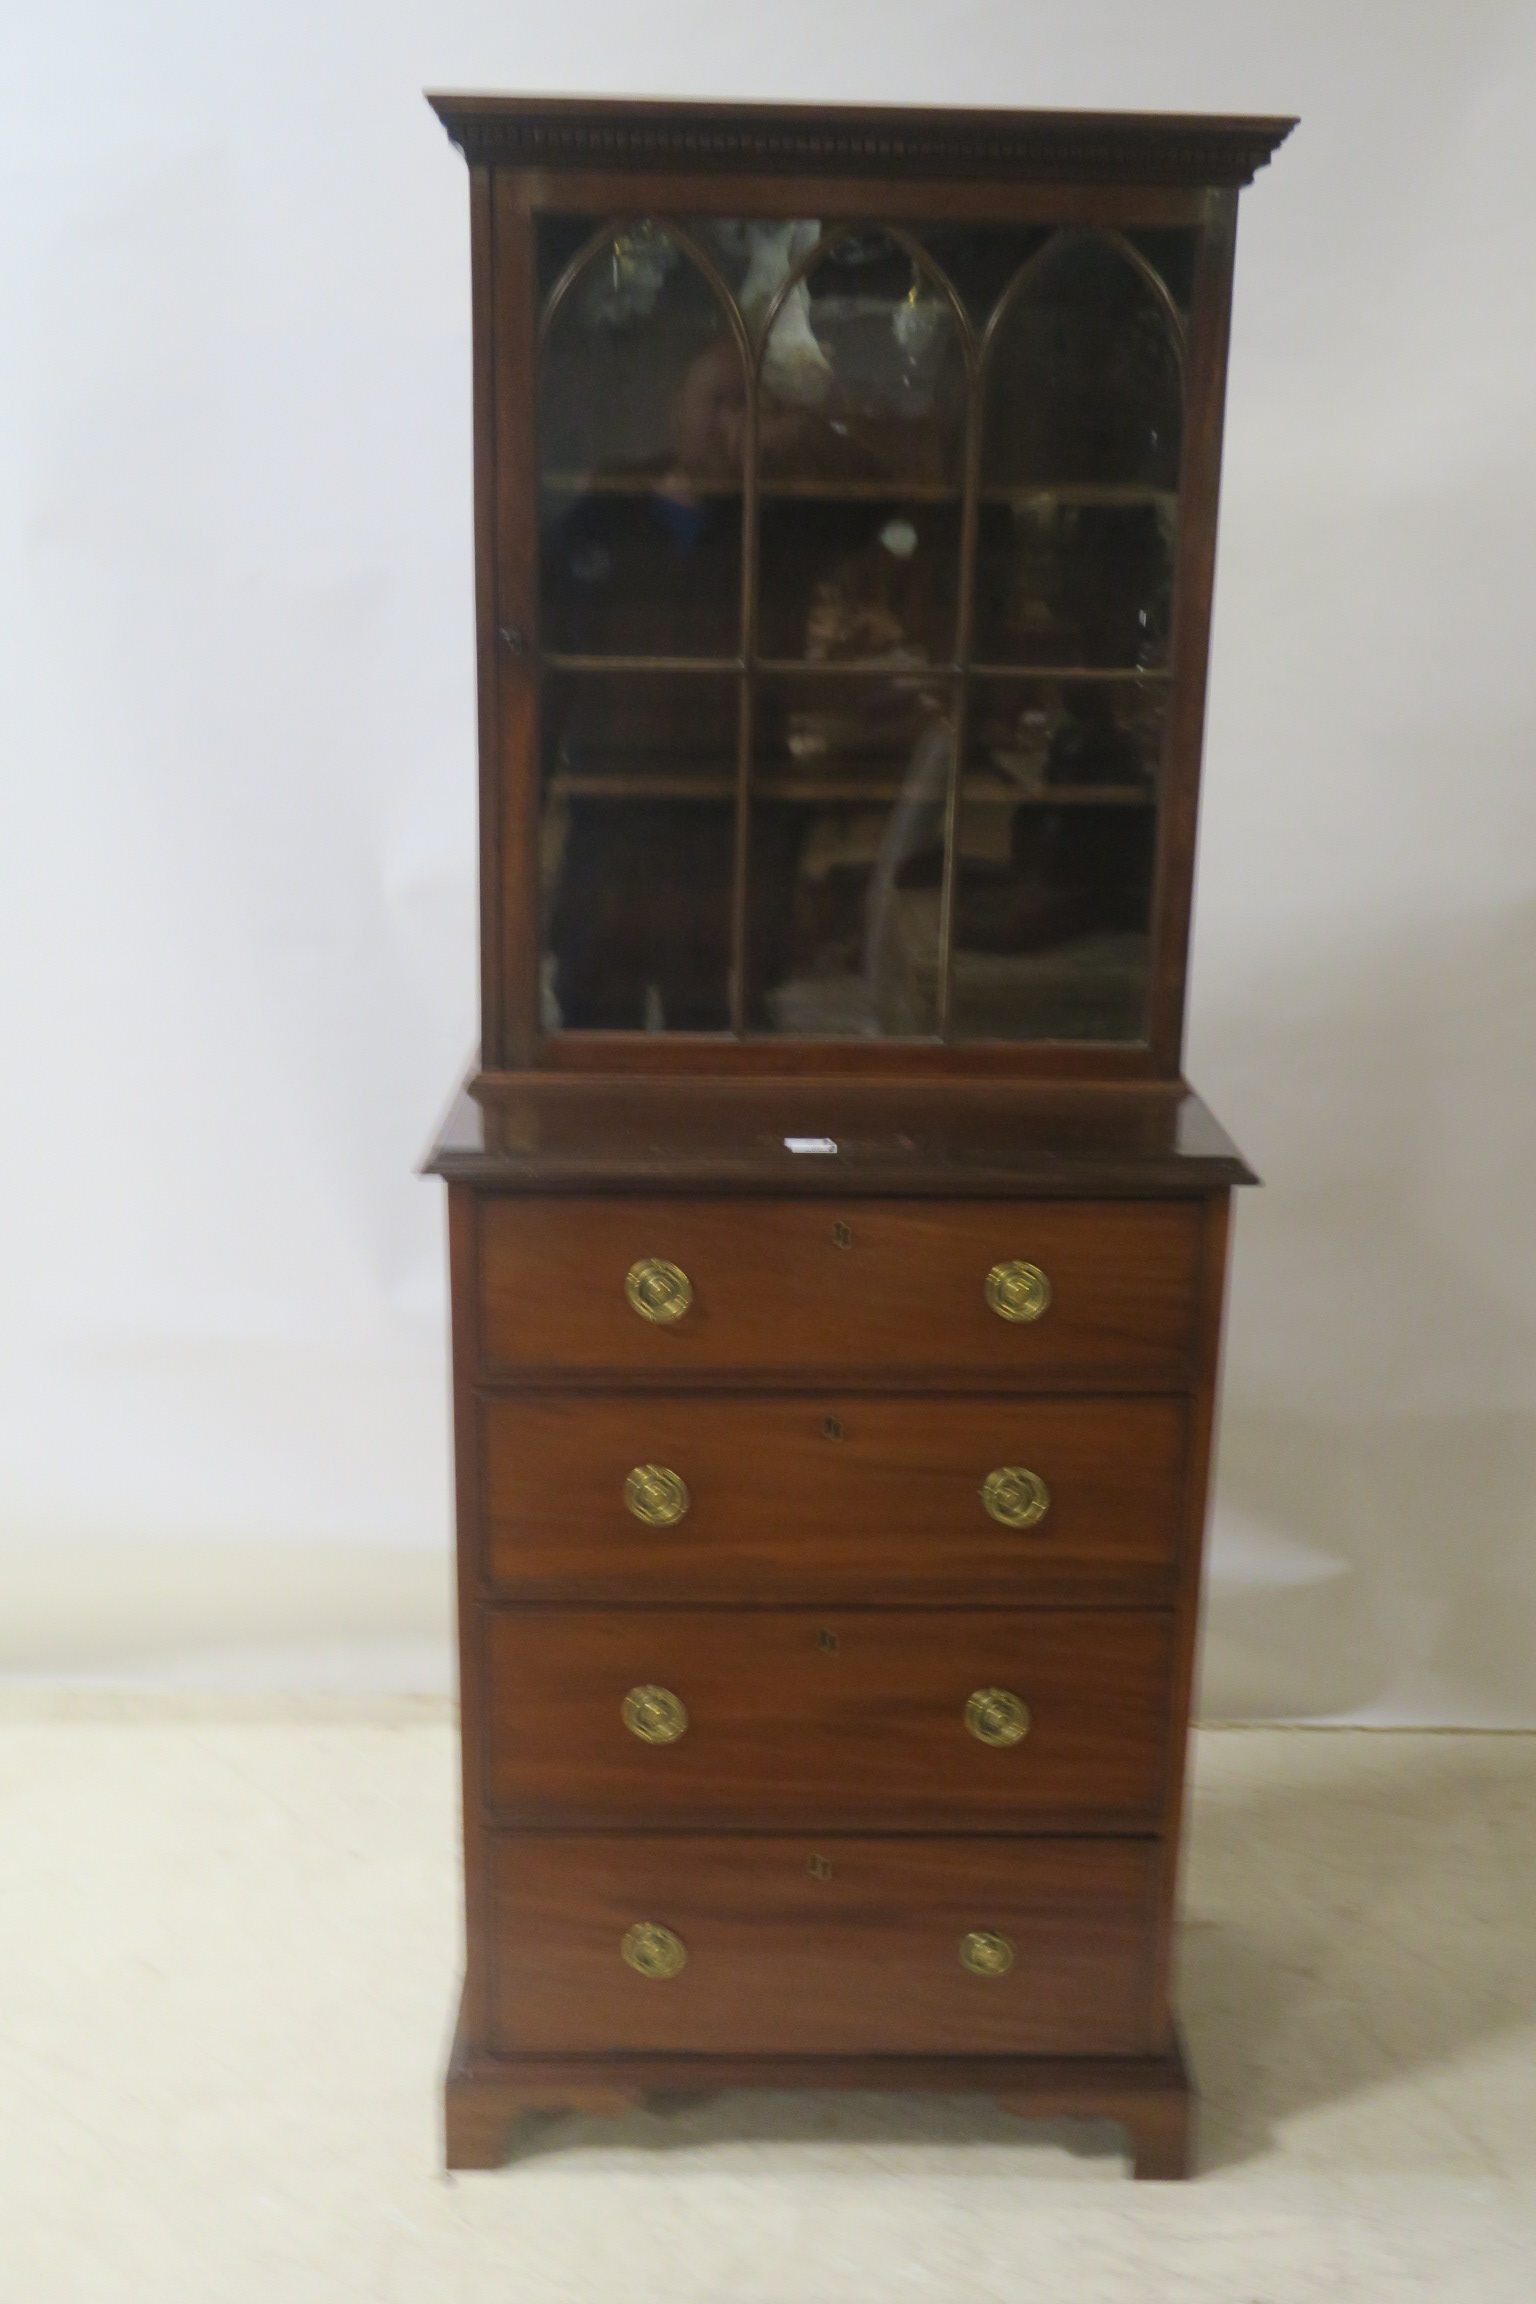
(837, 1253)
(829, 1576)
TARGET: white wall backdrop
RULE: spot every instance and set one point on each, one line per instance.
(237, 876)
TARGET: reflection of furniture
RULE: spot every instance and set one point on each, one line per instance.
(837, 1255)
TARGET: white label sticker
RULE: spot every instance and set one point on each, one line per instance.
(810, 1144)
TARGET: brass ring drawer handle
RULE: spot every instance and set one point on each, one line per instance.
(659, 1496)
(1014, 1496)
(997, 1716)
(658, 1291)
(1018, 1291)
(986, 1953)
(655, 1715)
(654, 1951)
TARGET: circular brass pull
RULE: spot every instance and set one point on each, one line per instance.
(1015, 1496)
(997, 1716)
(659, 1496)
(652, 1950)
(655, 1715)
(985, 1953)
(1018, 1291)
(658, 1290)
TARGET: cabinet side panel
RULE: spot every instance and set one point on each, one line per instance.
(482, 274)
(464, 1292)
(1202, 1423)
(515, 394)
(1194, 582)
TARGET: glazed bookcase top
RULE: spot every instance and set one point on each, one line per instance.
(1106, 147)
(846, 508)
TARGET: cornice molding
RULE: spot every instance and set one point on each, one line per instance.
(1077, 147)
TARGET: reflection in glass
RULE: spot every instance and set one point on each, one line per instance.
(861, 450)
(1082, 429)
(642, 413)
(863, 371)
(1083, 379)
(866, 581)
(1064, 581)
(847, 858)
(636, 851)
(1055, 853)
(866, 381)
(980, 260)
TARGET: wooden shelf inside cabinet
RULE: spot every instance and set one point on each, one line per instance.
(1112, 494)
(910, 669)
(894, 489)
(1133, 675)
(884, 488)
(840, 791)
(836, 1253)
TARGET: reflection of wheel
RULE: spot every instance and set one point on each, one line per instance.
(916, 822)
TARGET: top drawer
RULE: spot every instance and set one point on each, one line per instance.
(1097, 1289)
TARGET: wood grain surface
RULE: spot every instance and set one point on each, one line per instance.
(774, 1290)
(823, 1496)
(860, 1954)
(850, 1717)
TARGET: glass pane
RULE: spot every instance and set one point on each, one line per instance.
(980, 260)
(850, 779)
(871, 582)
(863, 371)
(1083, 380)
(1056, 843)
(642, 425)
(861, 454)
(1083, 418)
(1172, 251)
(637, 851)
(1064, 581)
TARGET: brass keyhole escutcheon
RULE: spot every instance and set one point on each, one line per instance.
(657, 1495)
(1015, 1496)
(654, 1951)
(827, 1641)
(819, 1868)
(658, 1291)
(831, 1428)
(842, 1235)
(997, 1716)
(986, 1953)
(1018, 1291)
(655, 1715)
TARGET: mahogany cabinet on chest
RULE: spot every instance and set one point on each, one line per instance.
(837, 1252)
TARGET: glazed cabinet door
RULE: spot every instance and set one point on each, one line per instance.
(849, 557)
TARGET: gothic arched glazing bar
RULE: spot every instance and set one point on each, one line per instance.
(1002, 309)
(1123, 247)
(828, 240)
(615, 228)
(611, 237)
(925, 267)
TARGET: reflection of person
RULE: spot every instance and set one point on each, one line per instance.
(655, 570)
(709, 419)
(640, 921)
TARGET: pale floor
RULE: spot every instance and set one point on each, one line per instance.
(227, 1966)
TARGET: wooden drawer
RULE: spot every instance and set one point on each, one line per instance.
(832, 1717)
(885, 1285)
(823, 1496)
(863, 1953)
